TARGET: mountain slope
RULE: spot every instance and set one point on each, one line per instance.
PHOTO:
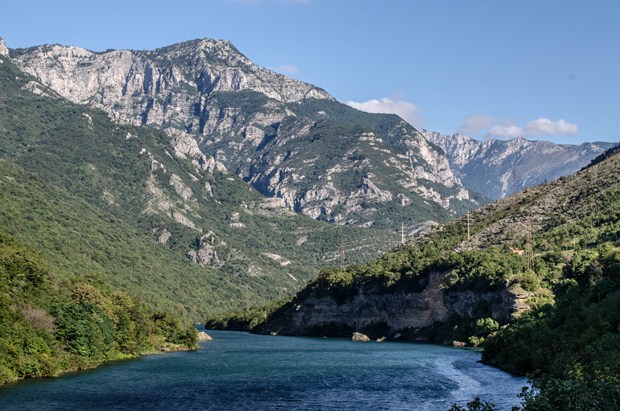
(288, 139)
(199, 239)
(498, 168)
(465, 279)
(77, 238)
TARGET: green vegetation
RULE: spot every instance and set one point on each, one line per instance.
(93, 196)
(50, 325)
(571, 349)
(557, 244)
(246, 319)
(76, 239)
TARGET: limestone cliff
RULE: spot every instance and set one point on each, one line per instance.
(404, 314)
(289, 139)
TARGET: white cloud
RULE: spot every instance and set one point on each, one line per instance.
(505, 131)
(408, 111)
(475, 124)
(287, 69)
(488, 126)
(546, 127)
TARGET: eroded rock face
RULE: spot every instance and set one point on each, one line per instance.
(289, 139)
(157, 87)
(392, 313)
(4, 51)
(182, 190)
(205, 253)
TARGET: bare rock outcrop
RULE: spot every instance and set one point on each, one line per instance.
(205, 253)
(359, 337)
(204, 337)
(4, 51)
(290, 140)
(391, 313)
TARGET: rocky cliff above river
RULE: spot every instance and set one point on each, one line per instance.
(414, 314)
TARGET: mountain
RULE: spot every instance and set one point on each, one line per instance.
(498, 168)
(464, 280)
(290, 140)
(95, 196)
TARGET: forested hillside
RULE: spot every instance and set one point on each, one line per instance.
(93, 195)
(50, 325)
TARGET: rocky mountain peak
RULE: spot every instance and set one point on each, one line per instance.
(147, 87)
(497, 168)
(287, 138)
(223, 49)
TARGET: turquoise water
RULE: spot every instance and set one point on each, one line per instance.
(239, 371)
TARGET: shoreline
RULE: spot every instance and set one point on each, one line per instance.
(92, 367)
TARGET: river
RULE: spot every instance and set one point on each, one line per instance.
(239, 371)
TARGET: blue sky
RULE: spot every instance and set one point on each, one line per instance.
(547, 70)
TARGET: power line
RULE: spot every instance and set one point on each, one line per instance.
(341, 255)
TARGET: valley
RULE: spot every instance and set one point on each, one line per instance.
(188, 183)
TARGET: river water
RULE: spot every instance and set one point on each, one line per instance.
(239, 371)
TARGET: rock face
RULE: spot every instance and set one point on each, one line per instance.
(380, 313)
(498, 168)
(4, 51)
(205, 253)
(289, 139)
(157, 87)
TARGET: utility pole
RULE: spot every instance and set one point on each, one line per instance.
(468, 236)
(530, 251)
(341, 255)
(402, 233)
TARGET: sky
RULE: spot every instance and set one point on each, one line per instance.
(543, 70)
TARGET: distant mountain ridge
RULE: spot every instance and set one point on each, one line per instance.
(498, 168)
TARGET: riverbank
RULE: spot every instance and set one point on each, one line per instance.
(244, 371)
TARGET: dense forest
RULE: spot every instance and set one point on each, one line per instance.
(571, 349)
(50, 325)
